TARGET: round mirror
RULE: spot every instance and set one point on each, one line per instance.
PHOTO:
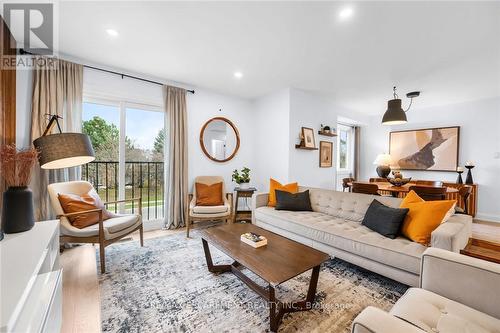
(219, 139)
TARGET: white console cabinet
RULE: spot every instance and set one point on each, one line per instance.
(31, 280)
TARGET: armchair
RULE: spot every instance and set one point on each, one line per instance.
(105, 232)
(208, 213)
(457, 294)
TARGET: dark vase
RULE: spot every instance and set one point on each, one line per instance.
(17, 211)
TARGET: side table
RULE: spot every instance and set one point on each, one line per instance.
(483, 250)
(242, 215)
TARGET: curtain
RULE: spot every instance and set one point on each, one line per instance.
(177, 160)
(356, 161)
(57, 90)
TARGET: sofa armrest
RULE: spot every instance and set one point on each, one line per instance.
(374, 320)
(259, 199)
(453, 234)
(466, 280)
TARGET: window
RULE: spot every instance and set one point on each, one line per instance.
(128, 142)
(344, 147)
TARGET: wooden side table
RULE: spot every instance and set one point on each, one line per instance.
(242, 215)
(483, 250)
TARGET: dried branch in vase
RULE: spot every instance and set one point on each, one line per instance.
(16, 166)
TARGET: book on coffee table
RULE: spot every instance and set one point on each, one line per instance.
(253, 239)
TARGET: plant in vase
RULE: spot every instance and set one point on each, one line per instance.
(16, 167)
(242, 178)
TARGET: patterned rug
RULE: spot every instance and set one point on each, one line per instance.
(166, 287)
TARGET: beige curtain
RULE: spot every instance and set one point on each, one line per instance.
(357, 156)
(57, 89)
(177, 172)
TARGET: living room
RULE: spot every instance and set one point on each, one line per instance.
(145, 144)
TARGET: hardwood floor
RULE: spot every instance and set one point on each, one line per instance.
(81, 303)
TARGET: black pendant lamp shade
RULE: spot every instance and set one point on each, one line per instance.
(395, 115)
(64, 150)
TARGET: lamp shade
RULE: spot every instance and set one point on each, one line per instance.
(64, 150)
(383, 159)
(394, 115)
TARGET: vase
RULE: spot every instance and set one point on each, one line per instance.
(17, 212)
(468, 179)
(244, 186)
(383, 171)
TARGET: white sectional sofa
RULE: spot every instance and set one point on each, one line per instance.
(335, 227)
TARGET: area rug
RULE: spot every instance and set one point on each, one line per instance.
(165, 287)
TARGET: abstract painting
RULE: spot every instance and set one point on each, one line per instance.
(433, 149)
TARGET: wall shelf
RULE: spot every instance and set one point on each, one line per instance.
(327, 134)
(305, 148)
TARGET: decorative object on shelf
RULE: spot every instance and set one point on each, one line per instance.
(308, 135)
(460, 170)
(469, 165)
(327, 131)
(383, 162)
(398, 179)
(16, 167)
(243, 179)
(325, 154)
(395, 115)
(430, 149)
(63, 150)
(219, 139)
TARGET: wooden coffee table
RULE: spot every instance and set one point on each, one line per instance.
(279, 261)
(482, 249)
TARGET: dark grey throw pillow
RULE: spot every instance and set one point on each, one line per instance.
(293, 201)
(384, 220)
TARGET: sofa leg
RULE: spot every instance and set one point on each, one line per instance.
(102, 257)
(141, 235)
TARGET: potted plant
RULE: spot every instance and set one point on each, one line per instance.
(243, 178)
(16, 167)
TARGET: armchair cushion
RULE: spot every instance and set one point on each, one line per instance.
(113, 227)
(210, 209)
(209, 195)
(72, 203)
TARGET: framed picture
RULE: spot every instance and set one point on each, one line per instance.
(433, 149)
(325, 154)
(308, 135)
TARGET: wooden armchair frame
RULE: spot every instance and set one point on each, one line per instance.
(100, 237)
(190, 219)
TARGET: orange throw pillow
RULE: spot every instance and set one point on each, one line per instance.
(72, 203)
(275, 185)
(209, 195)
(423, 217)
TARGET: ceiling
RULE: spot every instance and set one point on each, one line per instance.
(448, 50)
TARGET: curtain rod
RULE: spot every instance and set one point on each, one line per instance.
(23, 51)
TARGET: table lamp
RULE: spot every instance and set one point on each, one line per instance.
(383, 162)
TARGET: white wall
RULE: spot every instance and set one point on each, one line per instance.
(271, 138)
(479, 123)
(309, 110)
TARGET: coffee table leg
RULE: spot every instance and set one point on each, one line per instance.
(277, 309)
(208, 257)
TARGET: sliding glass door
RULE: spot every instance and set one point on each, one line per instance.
(345, 148)
(128, 140)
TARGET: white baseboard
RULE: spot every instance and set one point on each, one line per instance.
(488, 217)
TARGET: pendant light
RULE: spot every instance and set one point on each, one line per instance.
(395, 115)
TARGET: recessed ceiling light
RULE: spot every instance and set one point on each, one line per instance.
(346, 13)
(238, 75)
(112, 32)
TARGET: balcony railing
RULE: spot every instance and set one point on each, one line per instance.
(145, 179)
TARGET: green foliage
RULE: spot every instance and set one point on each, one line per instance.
(159, 142)
(244, 177)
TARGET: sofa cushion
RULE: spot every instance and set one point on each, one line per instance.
(384, 220)
(435, 313)
(293, 201)
(346, 205)
(210, 209)
(346, 235)
(276, 185)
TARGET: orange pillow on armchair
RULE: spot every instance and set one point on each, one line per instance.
(72, 203)
(275, 185)
(209, 195)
